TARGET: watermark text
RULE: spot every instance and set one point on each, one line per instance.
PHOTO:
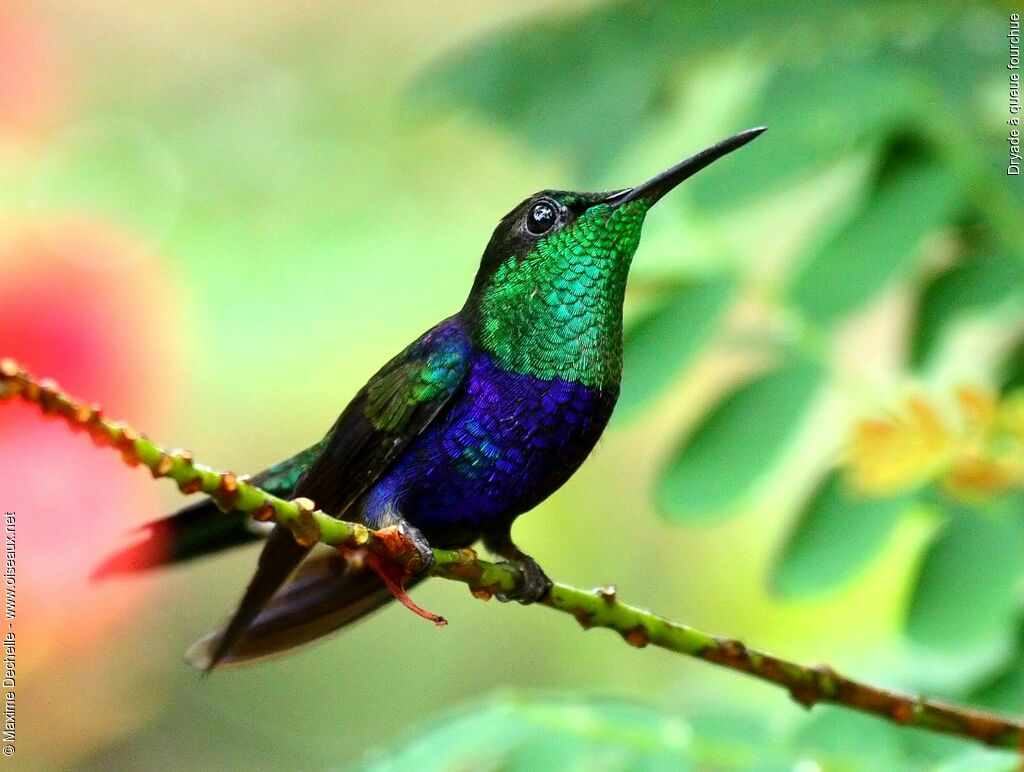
(1013, 65)
(8, 671)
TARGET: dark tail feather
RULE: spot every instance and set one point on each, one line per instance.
(326, 594)
(280, 557)
(195, 531)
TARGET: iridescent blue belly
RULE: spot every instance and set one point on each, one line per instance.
(505, 443)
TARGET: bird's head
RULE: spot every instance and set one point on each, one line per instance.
(555, 268)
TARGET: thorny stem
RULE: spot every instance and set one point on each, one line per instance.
(593, 608)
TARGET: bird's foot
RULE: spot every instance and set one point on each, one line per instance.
(535, 583)
(404, 552)
(404, 544)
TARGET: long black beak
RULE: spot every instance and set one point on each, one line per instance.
(655, 188)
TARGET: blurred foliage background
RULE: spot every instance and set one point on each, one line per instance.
(218, 219)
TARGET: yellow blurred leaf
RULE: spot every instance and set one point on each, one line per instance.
(976, 452)
(980, 477)
(888, 456)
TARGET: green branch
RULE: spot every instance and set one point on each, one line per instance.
(595, 608)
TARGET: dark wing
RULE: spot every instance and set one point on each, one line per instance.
(202, 529)
(398, 403)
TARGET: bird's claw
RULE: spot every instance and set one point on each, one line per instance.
(404, 544)
(423, 560)
(404, 553)
(418, 556)
(535, 583)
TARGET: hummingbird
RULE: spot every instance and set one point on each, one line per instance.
(476, 422)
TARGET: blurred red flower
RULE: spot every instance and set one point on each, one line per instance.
(81, 305)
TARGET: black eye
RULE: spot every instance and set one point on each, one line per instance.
(541, 218)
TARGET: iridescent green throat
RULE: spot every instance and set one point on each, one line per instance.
(557, 311)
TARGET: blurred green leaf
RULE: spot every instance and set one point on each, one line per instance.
(835, 535)
(849, 741)
(734, 740)
(659, 345)
(523, 733)
(966, 593)
(1004, 689)
(1011, 376)
(980, 760)
(565, 83)
(933, 752)
(888, 83)
(986, 277)
(737, 443)
(816, 117)
(555, 732)
(584, 84)
(963, 76)
(912, 199)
